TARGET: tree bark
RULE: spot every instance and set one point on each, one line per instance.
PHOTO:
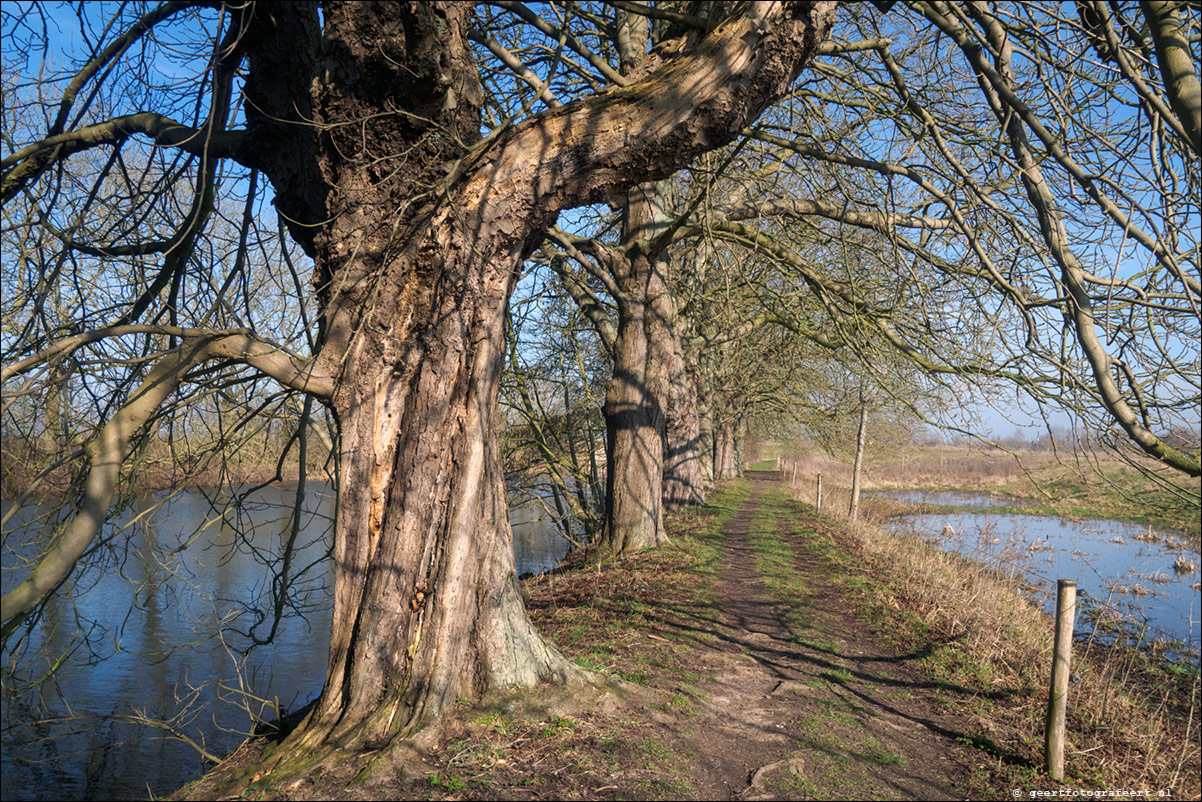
(725, 451)
(684, 483)
(706, 438)
(740, 445)
(427, 609)
(635, 417)
(426, 605)
(857, 466)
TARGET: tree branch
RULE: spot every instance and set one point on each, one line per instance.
(1177, 65)
(240, 345)
(794, 207)
(587, 302)
(27, 164)
(693, 103)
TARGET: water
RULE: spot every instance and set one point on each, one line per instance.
(1122, 576)
(538, 544)
(948, 498)
(159, 656)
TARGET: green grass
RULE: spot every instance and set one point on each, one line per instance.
(447, 782)
(883, 757)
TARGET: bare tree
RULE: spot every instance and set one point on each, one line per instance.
(1043, 161)
(367, 121)
(551, 394)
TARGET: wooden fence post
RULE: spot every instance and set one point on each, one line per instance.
(1053, 738)
(818, 499)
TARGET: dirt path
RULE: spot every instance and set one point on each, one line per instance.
(818, 709)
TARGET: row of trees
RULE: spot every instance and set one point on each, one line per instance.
(216, 210)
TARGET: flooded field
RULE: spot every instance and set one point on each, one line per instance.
(949, 498)
(1132, 580)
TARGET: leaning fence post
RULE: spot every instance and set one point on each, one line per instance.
(1053, 738)
(818, 498)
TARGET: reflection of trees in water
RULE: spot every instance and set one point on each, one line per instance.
(70, 737)
(158, 646)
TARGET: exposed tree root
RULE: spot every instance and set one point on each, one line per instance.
(285, 763)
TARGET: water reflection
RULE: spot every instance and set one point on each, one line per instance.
(1124, 572)
(948, 498)
(538, 543)
(159, 655)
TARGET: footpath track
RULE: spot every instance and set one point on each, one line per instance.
(758, 677)
(806, 701)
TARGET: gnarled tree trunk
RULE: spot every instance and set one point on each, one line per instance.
(426, 602)
(706, 434)
(426, 607)
(415, 266)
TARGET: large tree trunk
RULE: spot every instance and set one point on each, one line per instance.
(635, 396)
(426, 606)
(426, 602)
(415, 267)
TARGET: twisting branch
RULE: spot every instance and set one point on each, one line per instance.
(239, 345)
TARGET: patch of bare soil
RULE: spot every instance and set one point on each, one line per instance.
(721, 698)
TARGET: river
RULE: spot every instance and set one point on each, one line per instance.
(153, 610)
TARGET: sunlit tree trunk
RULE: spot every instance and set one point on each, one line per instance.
(426, 603)
(740, 445)
(426, 607)
(858, 464)
(415, 267)
(684, 483)
(635, 417)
